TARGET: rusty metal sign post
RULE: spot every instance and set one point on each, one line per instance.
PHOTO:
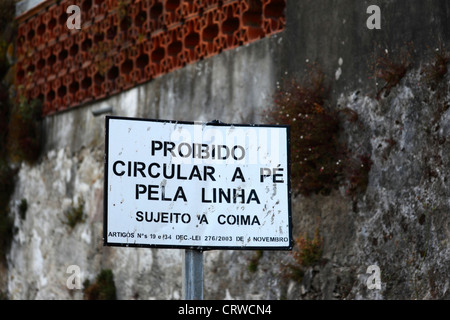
(193, 274)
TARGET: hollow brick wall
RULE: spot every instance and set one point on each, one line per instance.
(124, 43)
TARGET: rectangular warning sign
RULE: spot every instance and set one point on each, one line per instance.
(174, 184)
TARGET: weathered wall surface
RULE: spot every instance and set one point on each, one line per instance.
(401, 222)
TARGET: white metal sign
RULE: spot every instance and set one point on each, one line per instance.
(194, 185)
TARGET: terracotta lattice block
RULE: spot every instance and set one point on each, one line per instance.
(273, 18)
(231, 25)
(191, 40)
(252, 20)
(155, 14)
(123, 43)
(211, 39)
(190, 8)
(176, 53)
(173, 12)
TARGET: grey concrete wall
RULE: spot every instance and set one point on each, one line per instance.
(325, 31)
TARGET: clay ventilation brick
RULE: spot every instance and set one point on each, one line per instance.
(124, 43)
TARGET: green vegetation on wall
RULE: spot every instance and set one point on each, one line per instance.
(319, 161)
(103, 288)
